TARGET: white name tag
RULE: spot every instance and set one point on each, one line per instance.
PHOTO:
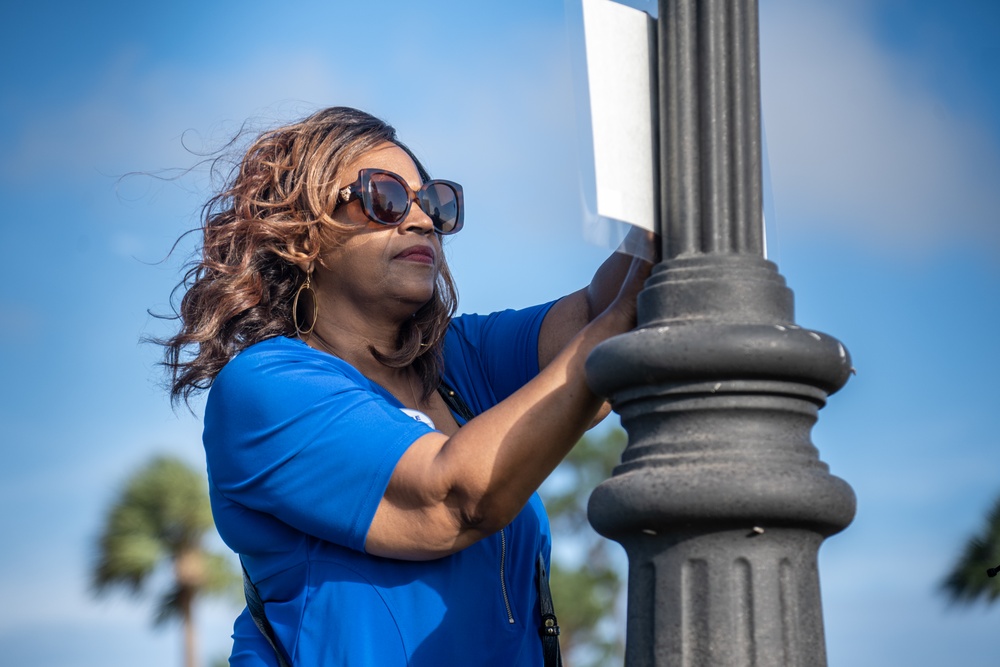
(419, 416)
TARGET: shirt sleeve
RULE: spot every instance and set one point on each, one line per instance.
(489, 357)
(302, 436)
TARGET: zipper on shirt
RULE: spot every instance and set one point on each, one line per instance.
(503, 576)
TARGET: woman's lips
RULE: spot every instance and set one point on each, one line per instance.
(418, 253)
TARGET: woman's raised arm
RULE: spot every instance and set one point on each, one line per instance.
(448, 492)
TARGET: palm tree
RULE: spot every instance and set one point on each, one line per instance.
(968, 580)
(159, 520)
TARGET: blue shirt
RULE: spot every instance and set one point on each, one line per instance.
(300, 449)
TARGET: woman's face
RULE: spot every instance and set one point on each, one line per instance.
(380, 266)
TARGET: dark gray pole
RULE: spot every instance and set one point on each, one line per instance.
(721, 500)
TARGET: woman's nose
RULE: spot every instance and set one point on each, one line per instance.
(418, 220)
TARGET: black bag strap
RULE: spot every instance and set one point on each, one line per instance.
(455, 402)
(256, 607)
(549, 631)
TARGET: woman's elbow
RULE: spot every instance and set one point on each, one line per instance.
(486, 512)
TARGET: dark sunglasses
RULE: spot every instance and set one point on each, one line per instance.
(386, 199)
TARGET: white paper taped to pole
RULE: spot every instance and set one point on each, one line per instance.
(618, 42)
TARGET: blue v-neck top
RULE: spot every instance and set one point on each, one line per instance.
(300, 448)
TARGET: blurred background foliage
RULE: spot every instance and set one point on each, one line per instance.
(154, 533)
(967, 581)
(588, 571)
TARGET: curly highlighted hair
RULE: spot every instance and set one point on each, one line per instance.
(269, 218)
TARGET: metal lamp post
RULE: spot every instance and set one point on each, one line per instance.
(721, 500)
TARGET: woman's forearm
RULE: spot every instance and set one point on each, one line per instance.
(514, 446)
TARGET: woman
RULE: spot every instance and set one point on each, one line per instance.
(381, 523)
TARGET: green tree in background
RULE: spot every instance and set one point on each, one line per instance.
(586, 568)
(967, 581)
(159, 521)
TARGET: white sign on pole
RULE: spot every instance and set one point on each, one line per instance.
(619, 43)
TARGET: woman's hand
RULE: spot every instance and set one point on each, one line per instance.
(623, 307)
(619, 279)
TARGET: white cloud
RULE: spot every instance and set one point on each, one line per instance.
(857, 141)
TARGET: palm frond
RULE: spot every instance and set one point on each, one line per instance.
(169, 607)
(967, 582)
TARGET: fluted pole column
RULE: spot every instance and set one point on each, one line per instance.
(721, 500)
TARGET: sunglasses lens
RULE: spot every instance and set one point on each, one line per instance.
(440, 202)
(389, 198)
(386, 198)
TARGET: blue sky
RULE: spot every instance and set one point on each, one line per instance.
(883, 130)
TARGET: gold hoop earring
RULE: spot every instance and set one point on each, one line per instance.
(307, 285)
